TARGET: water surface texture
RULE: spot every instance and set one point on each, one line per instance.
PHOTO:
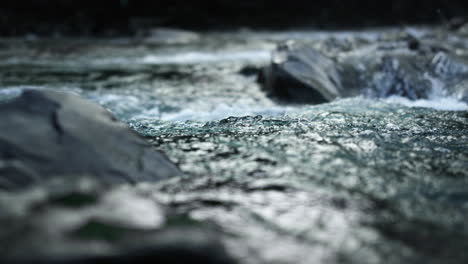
(357, 180)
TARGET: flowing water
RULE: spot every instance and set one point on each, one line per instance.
(357, 180)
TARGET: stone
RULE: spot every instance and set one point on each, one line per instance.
(90, 223)
(47, 134)
(300, 73)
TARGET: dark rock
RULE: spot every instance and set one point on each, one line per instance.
(413, 44)
(176, 245)
(301, 74)
(95, 224)
(169, 245)
(44, 134)
(398, 76)
(456, 23)
(250, 71)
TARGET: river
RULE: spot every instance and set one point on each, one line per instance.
(356, 180)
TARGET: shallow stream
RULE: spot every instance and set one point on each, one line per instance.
(357, 180)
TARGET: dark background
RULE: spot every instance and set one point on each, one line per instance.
(117, 17)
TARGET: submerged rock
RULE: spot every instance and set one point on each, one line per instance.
(44, 134)
(408, 67)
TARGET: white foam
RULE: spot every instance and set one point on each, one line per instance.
(440, 103)
(188, 57)
(15, 91)
(11, 92)
(194, 57)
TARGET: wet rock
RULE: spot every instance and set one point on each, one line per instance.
(413, 43)
(91, 224)
(410, 68)
(456, 23)
(250, 70)
(398, 76)
(301, 74)
(46, 134)
(171, 245)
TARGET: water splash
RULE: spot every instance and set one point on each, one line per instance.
(437, 103)
(223, 111)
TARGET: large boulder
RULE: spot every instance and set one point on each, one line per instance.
(45, 134)
(301, 74)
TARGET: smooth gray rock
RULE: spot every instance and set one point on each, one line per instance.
(45, 134)
(301, 74)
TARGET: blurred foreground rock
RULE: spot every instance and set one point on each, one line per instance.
(45, 134)
(86, 222)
